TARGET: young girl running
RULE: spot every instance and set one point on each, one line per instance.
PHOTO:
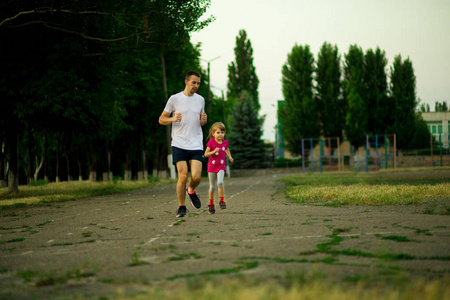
(216, 148)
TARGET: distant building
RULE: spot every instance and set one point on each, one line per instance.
(438, 125)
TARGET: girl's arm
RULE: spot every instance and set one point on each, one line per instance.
(227, 151)
(208, 152)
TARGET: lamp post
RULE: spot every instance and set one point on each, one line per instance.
(209, 81)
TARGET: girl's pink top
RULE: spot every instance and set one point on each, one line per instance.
(216, 162)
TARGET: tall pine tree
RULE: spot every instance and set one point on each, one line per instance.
(403, 94)
(242, 73)
(245, 134)
(299, 115)
(328, 97)
(356, 117)
(375, 79)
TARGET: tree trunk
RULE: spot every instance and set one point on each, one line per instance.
(30, 155)
(110, 175)
(80, 170)
(57, 159)
(67, 152)
(38, 167)
(13, 172)
(69, 176)
(140, 164)
(2, 166)
(127, 175)
(93, 168)
(144, 159)
(45, 157)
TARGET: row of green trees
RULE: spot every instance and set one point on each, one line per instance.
(351, 99)
(438, 107)
(83, 83)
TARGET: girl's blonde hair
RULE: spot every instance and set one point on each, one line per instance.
(214, 127)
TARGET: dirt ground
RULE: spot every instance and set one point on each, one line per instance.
(95, 247)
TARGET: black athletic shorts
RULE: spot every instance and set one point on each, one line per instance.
(186, 155)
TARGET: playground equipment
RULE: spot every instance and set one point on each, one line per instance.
(386, 142)
(332, 160)
(443, 147)
(380, 149)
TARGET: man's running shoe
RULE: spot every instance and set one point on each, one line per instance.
(222, 204)
(195, 199)
(212, 210)
(181, 212)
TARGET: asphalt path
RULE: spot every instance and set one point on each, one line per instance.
(98, 246)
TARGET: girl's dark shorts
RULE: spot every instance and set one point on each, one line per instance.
(186, 155)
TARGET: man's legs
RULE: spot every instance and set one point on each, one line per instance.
(183, 173)
(194, 181)
(196, 175)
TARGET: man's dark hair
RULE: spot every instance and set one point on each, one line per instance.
(190, 73)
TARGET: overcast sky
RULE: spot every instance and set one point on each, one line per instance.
(418, 29)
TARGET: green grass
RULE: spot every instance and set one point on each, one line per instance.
(396, 238)
(371, 189)
(313, 285)
(68, 191)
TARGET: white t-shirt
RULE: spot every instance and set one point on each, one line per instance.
(187, 134)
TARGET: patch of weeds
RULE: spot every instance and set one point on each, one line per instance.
(150, 218)
(351, 252)
(439, 207)
(340, 230)
(27, 275)
(45, 223)
(212, 221)
(275, 259)
(396, 256)
(63, 244)
(50, 278)
(13, 240)
(246, 266)
(168, 212)
(115, 228)
(3, 271)
(135, 260)
(234, 245)
(183, 256)
(106, 280)
(329, 260)
(422, 231)
(438, 257)
(87, 234)
(193, 233)
(396, 238)
(327, 220)
(440, 226)
(306, 223)
(237, 213)
(332, 204)
(325, 247)
(88, 241)
(266, 233)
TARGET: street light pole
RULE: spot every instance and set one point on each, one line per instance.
(209, 81)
